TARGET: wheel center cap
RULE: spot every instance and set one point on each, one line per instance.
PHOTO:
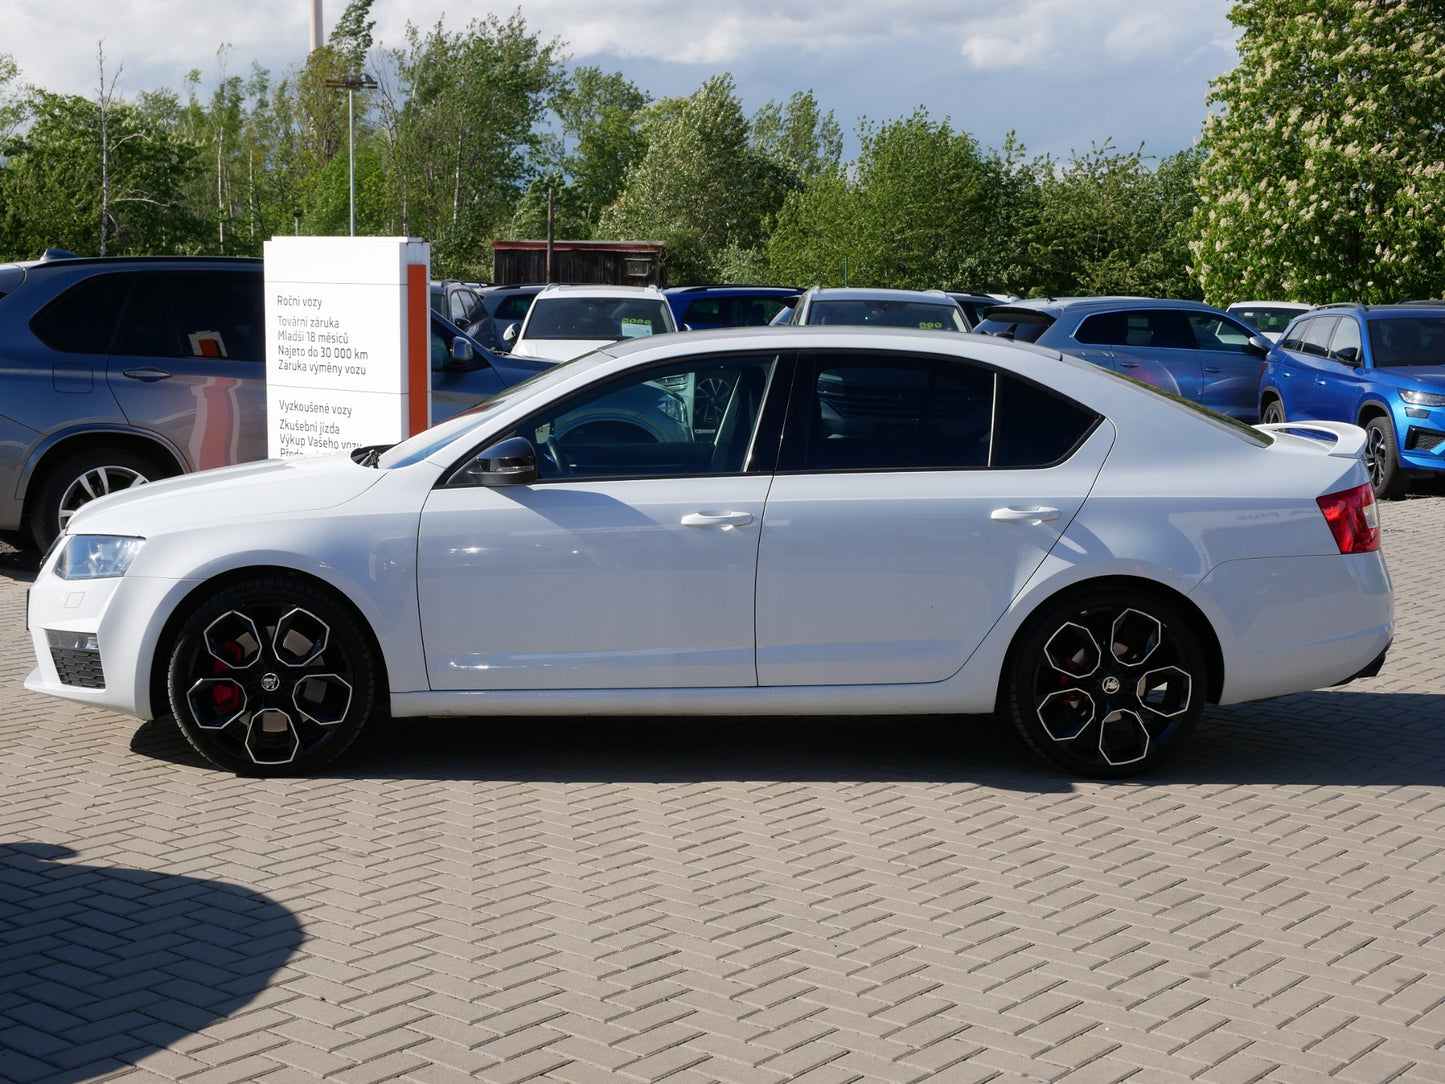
(270, 683)
(1110, 685)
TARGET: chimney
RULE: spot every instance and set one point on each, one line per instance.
(316, 42)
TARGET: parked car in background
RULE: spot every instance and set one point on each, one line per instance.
(883, 522)
(460, 303)
(930, 310)
(1185, 348)
(1270, 317)
(974, 306)
(564, 322)
(115, 371)
(508, 305)
(702, 308)
(1381, 367)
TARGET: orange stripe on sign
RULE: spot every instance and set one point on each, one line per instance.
(418, 348)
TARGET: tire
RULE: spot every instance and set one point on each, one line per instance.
(1273, 412)
(81, 477)
(271, 676)
(1382, 458)
(1106, 683)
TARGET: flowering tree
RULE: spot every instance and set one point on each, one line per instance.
(1325, 171)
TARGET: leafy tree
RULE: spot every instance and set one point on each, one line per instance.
(799, 137)
(459, 113)
(911, 212)
(351, 37)
(600, 114)
(1108, 224)
(1325, 171)
(700, 189)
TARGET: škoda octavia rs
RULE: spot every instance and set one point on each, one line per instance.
(860, 522)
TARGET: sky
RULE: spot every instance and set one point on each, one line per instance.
(1062, 75)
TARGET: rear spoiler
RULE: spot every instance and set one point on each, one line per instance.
(1348, 440)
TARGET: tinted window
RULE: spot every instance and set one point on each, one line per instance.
(596, 318)
(1217, 334)
(194, 314)
(922, 314)
(1408, 340)
(83, 319)
(732, 311)
(1150, 328)
(1314, 336)
(513, 308)
(928, 414)
(693, 418)
(1345, 344)
(1024, 327)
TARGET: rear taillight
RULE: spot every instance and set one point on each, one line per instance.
(1354, 519)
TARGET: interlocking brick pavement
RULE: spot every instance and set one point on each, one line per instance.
(736, 900)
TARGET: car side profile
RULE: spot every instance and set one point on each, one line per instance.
(1185, 348)
(116, 371)
(1381, 367)
(873, 522)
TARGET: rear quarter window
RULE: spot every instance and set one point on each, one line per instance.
(84, 319)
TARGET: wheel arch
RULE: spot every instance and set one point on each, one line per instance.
(165, 643)
(1198, 623)
(1373, 408)
(44, 461)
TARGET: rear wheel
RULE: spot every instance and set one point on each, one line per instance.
(80, 478)
(1382, 457)
(1273, 412)
(1106, 683)
(271, 676)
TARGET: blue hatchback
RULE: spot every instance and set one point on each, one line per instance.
(1379, 366)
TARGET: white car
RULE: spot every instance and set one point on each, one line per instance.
(566, 322)
(879, 522)
(1270, 317)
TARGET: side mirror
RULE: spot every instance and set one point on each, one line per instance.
(507, 463)
(1350, 355)
(509, 336)
(462, 353)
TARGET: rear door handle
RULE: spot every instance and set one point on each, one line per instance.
(1035, 515)
(147, 373)
(716, 519)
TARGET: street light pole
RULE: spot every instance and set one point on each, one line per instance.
(351, 84)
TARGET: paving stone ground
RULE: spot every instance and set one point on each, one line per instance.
(736, 900)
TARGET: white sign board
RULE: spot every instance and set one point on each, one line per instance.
(348, 360)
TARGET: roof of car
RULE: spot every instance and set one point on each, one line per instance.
(1062, 304)
(601, 290)
(881, 293)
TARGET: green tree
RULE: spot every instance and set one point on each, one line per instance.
(916, 211)
(699, 188)
(799, 137)
(1325, 171)
(459, 117)
(1109, 224)
(600, 115)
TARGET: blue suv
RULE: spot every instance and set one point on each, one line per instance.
(1381, 367)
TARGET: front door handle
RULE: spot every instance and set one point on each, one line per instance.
(1036, 515)
(716, 519)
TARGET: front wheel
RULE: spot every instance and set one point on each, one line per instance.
(271, 676)
(1382, 458)
(1106, 683)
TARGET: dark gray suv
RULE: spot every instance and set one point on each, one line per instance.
(1184, 347)
(116, 371)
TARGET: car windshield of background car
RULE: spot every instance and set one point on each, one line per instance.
(888, 314)
(1020, 326)
(1407, 340)
(591, 318)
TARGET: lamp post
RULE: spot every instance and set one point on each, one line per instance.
(351, 84)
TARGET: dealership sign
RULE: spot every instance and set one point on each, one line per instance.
(347, 342)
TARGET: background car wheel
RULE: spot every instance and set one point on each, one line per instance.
(271, 676)
(1273, 412)
(1383, 460)
(1107, 683)
(79, 479)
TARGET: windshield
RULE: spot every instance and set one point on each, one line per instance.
(419, 447)
(931, 315)
(595, 318)
(1397, 341)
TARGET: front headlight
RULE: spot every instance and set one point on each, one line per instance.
(96, 556)
(1422, 398)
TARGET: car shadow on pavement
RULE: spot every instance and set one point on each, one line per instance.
(1331, 737)
(103, 966)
